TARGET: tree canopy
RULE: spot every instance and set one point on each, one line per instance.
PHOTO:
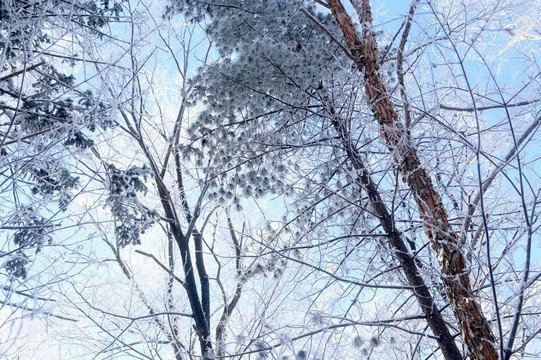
(270, 179)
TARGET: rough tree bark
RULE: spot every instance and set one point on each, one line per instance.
(475, 329)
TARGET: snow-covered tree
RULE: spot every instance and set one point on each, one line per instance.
(299, 82)
(284, 179)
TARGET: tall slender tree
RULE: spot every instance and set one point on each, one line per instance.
(445, 242)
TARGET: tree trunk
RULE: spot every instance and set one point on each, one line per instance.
(473, 325)
(396, 240)
(197, 304)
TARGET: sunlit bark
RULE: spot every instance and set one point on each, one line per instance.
(473, 325)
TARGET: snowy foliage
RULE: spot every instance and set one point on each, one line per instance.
(131, 217)
(219, 136)
(47, 118)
